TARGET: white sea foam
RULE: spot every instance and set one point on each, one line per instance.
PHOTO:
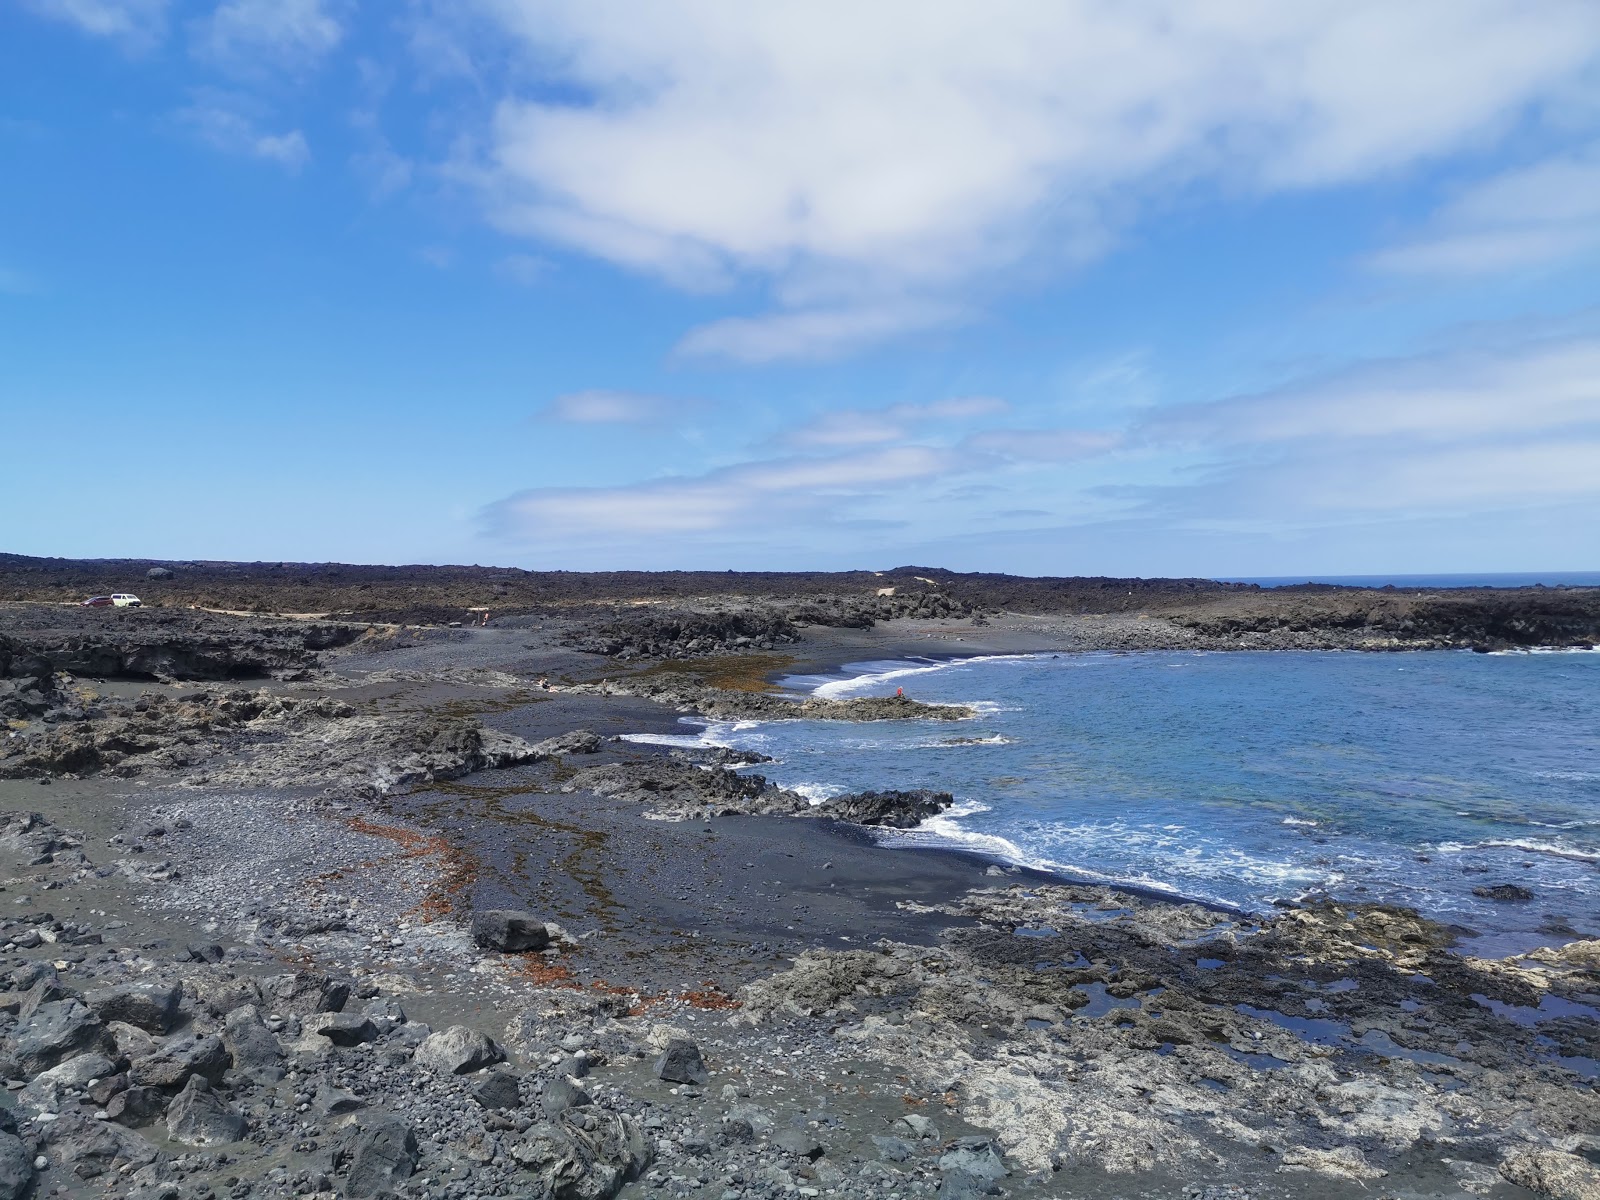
(816, 793)
(1529, 845)
(835, 688)
(1301, 821)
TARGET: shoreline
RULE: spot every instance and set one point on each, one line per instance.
(872, 1023)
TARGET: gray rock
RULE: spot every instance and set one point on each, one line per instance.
(958, 1185)
(49, 1091)
(893, 1149)
(197, 1116)
(149, 1006)
(93, 1147)
(136, 1106)
(920, 1125)
(57, 1031)
(349, 1029)
(221, 994)
(132, 1042)
(799, 1143)
(680, 1062)
(509, 931)
(497, 1090)
(383, 1155)
(45, 990)
(331, 1102)
(385, 1014)
(248, 1041)
(579, 741)
(560, 1094)
(180, 1059)
(458, 1051)
(572, 1162)
(978, 1157)
(16, 1167)
(305, 992)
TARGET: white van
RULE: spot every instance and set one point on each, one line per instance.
(124, 600)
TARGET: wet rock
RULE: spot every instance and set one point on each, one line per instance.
(508, 930)
(497, 1090)
(181, 1058)
(1503, 893)
(383, 1155)
(458, 1051)
(55, 1032)
(587, 1154)
(680, 1062)
(197, 1116)
(16, 1167)
(149, 1006)
(305, 992)
(1553, 1173)
(895, 810)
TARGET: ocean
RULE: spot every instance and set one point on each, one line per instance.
(1240, 779)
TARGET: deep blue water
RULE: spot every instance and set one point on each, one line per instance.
(1243, 778)
(1501, 580)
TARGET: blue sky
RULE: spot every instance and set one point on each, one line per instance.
(1232, 288)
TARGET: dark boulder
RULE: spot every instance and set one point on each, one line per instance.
(149, 1006)
(383, 1155)
(680, 1062)
(508, 930)
(894, 810)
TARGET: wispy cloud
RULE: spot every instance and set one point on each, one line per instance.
(219, 121)
(1531, 216)
(865, 427)
(291, 35)
(599, 406)
(136, 24)
(769, 493)
(1453, 434)
(878, 166)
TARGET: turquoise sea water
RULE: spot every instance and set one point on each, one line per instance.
(1244, 778)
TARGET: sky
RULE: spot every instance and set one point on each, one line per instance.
(1165, 287)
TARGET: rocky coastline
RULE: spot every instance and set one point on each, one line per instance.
(260, 936)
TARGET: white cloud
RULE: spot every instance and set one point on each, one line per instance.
(1480, 431)
(1044, 445)
(865, 427)
(291, 34)
(219, 122)
(598, 406)
(873, 163)
(817, 333)
(750, 494)
(1530, 216)
(137, 24)
(1539, 387)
